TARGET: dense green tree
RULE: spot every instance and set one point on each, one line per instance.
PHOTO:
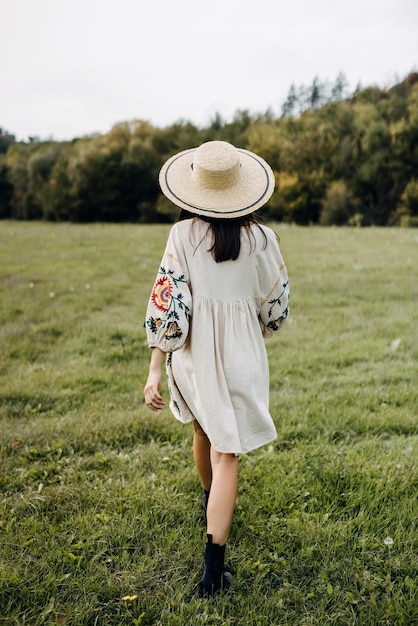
(407, 211)
(17, 158)
(235, 131)
(175, 138)
(338, 205)
(58, 193)
(336, 159)
(6, 190)
(6, 140)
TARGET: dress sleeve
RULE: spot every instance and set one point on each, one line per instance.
(170, 304)
(274, 287)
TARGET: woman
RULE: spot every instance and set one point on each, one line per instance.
(222, 286)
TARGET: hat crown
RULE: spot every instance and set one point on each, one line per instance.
(216, 165)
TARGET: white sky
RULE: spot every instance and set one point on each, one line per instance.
(75, 67)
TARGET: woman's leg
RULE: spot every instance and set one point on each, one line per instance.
(220, 510)
(223, 494)
(201, 454)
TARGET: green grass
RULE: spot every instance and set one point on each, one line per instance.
(99, 497)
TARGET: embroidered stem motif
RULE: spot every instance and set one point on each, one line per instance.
(277, 322)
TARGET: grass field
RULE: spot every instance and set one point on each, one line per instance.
(100, 520)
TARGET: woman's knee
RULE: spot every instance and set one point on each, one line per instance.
(223, 458)
(198, 430)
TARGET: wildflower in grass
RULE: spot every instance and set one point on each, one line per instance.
(129, 598)
(395, 344)
(388, 541)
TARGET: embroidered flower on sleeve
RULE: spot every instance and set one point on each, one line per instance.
(161, 293)
(275, 324)
(154, 323)
(173, 330)
(168, 298)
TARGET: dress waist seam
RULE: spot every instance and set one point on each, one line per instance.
(228, 300)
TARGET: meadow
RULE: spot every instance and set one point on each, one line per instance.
(99, 500)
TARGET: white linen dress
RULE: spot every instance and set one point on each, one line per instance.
(210, 318)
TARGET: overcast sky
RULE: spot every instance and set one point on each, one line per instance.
(75, 67)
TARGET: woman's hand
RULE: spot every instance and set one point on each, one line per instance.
(153, 398)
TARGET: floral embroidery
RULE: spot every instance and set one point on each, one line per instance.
(154, 323)
(161, 293)
(275, 324)
(170, 273)
(167, 298)
(173, 331)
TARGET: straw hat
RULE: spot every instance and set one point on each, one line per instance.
(217, 180)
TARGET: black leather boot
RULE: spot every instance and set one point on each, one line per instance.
(214, 579)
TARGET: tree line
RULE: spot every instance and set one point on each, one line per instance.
(338, 158)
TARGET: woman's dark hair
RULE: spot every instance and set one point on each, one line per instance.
(226, 234)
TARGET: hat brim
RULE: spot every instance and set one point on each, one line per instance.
(252, 190)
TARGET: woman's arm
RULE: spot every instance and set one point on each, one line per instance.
(153, 398)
